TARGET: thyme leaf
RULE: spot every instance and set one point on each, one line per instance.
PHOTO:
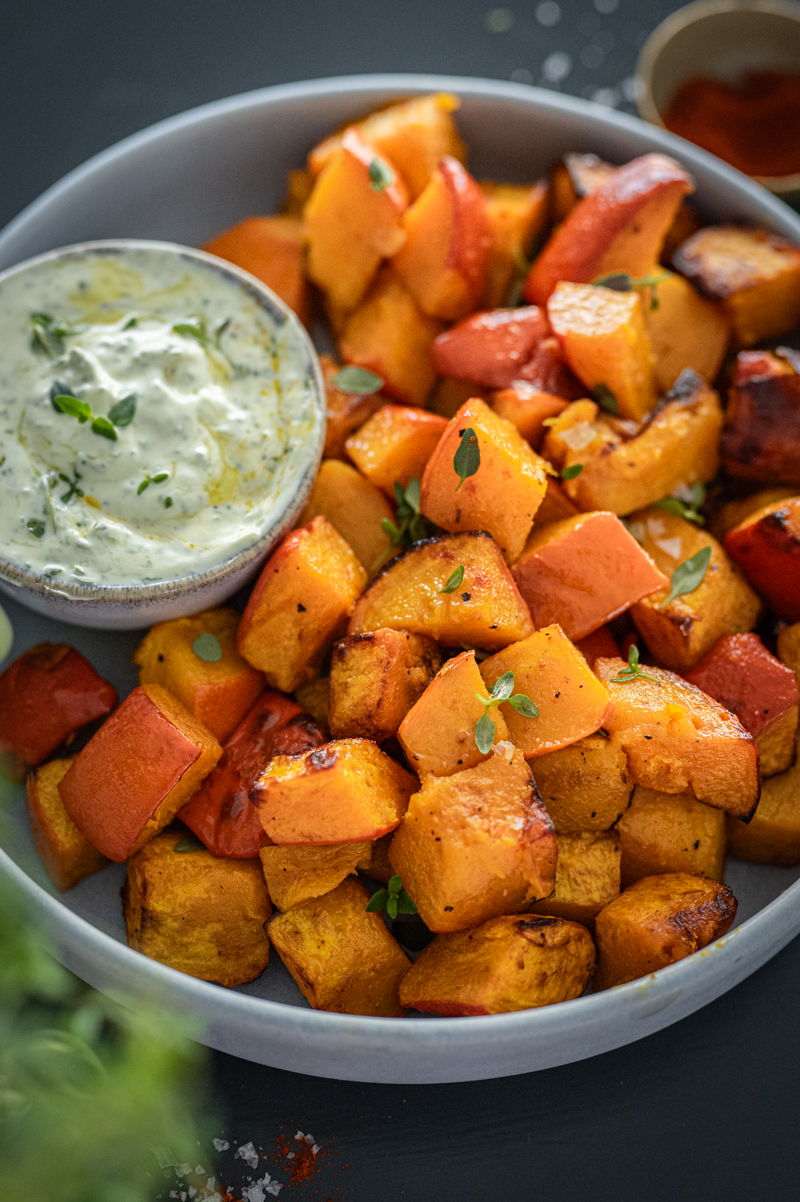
(357, 380)
(454, 580)
(393, 899)
(467, 458)
(207, 647)
(502, 691)
(380, 175)
(688, 575)
(633, 671)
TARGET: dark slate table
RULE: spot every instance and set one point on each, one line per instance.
(705, 1110)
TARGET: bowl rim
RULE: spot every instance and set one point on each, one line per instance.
(124, 595)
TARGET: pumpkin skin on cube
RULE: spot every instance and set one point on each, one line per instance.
(670, 832)
(572, 702)
(587, 876)
(348, 791)
(676, 738)
(353, 506)
(517, 215)
(394, 445)
(68, 857)
(375, 680)
(508, 468)
(219, 693)
(438, 733)
(485, 611)
(271, 249)
(766, 546)
(685, 330)
(476, 844)
(198, 914)
(342, 958)
(772, 836)
(508, 963)
(344, 411)
(299, 604)
(528, 409)
(137, 772)
(657, 921)
(761, 439)
(584, 571)
(491, 347)
(297, 874)
(585, 786)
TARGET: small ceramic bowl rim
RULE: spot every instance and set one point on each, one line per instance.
(123, 595)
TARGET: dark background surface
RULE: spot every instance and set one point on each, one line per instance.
(705, 1110)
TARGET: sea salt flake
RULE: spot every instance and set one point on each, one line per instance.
(254, 1194)
(309, 1139)
(315, 1149)
(199, 1170)
(670, 546)
(579, 436)
(183, 1170)
(221, 1145)
(248, 1154)
(299, 1135)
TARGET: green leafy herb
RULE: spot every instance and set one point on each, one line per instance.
(196, 328)
(688, 575)
(124, 411)
(64, 401)
(59, 389)
(167, 502)
(380, 175)
(569, 473)
(620, 281)
(73, 490)
(411, 525)
(206, 647)
(394, 900)
(687, 509)
(36, 527)
(102, 426)
(70, 405)
(357, 380)
(605, 398)
(130, 323)
(454, 580)
(485, 729)
(148, 480)
(467, 458)
(47, 335)
(633, 671)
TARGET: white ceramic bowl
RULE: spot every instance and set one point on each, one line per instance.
(183, 180)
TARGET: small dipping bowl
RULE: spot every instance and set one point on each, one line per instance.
(174, 283)
(724, 39)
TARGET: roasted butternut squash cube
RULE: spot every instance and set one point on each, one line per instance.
(741, 674)
(220, 812)
(508, 963)
(348, 791)
(354, 507)
(342, 958)
(297, 874)
(140, 768)
(733, 513)
(681, 633)
(390, 335)
(766, 546)
(772, 836)
(685, 330)
(753, 273)
(572, 178)
(508, 467)
(300, 604)
(605, 342)
(271, 249)
(314, 697)
(379, 867)
(548, 371)
(219, 692)
(491, 347)
(375, 680)
(476, 844)
(572, 702)
(68, 857)
(587, 876)
(193, 912)
(670, 832)
(438, 733)
(528, 409)
(585, 786)
(676, 738)
(486, 610)
(761, 439)
(345, 411)
(584, 571)
(517, 216)
(394, 445)
(658, 921)
(350, 225)
(47, 696)
(555, 507)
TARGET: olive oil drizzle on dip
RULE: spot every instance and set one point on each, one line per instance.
(152, 417)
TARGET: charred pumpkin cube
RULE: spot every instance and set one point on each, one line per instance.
(587, 876)
(68, 857)
(394, 445)
(761, 439)
(508, 963)
(670, 832)
(476, 845)
(584, 786)
(685, 330)
(296, 874)
(191, 911)
(772, 836)
(354, 507)
(657, 921)
(342, 958)
(766, 546)
(375, 680)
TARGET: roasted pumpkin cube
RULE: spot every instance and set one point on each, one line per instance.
(657, 921)
(517, 216)
(508, 963)
(753, 273)
(547, 369)
(68, 857)
(571, 701)
(193, 912)
(733, 513)
(789, 648)
(528, 409)
(766, 546)
(348, 791)
(375, 680)
(220, 812)
(761, 439)
(345, 411)
(584, 786)
(670, 832)
(354, 507)
(741, 674)
(438, 733)
(379, 866)
(271, 249)
(140, 768)
(491, 347)
(685, 330)
(47, 696)
(300, 604)
(394, 445)
(555, 507)
(681, 633)
(297, 874)
(219, 692)
(587, 876)
(314, 697)
(582, 572)
(342, 958)
(508, 467)
(476, 844)
(572, 178)
(772, 836)
(676, 738)
(486, 610)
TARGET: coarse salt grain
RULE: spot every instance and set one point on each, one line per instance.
(221, 1145)
(579, 436)
(248, 1154)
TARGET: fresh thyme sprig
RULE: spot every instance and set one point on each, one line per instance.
(467, 458)
(454, 580)
(620, 281)
(633, 671)
(411, 525)
(148, 480)
(688, 575)
(47, 334)
(485, 728)
(689, 510)
(394, 900)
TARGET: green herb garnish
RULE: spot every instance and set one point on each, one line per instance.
(604, 397)
(357, 380)
(485, 728)
(620, 281)
(196, 328)
(569, 473)
(130, 323)
(454, 580)
(688, 575)
(380, 175)
(69, 404)
(633, 671)
(411, 525)
(207, 647)
(36, 527)
(467, 458)
(167, 502)
(73, 490)
(123, 412)
(47, 335)
(64, 401)
(148, 480)
(689, 510)
(394, 900)
(102, 426)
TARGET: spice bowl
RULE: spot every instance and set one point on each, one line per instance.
(721, 39)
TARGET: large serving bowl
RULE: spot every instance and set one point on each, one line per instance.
(182, 181)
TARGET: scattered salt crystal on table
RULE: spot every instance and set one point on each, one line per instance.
(248, 1153)
(221, 1145)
